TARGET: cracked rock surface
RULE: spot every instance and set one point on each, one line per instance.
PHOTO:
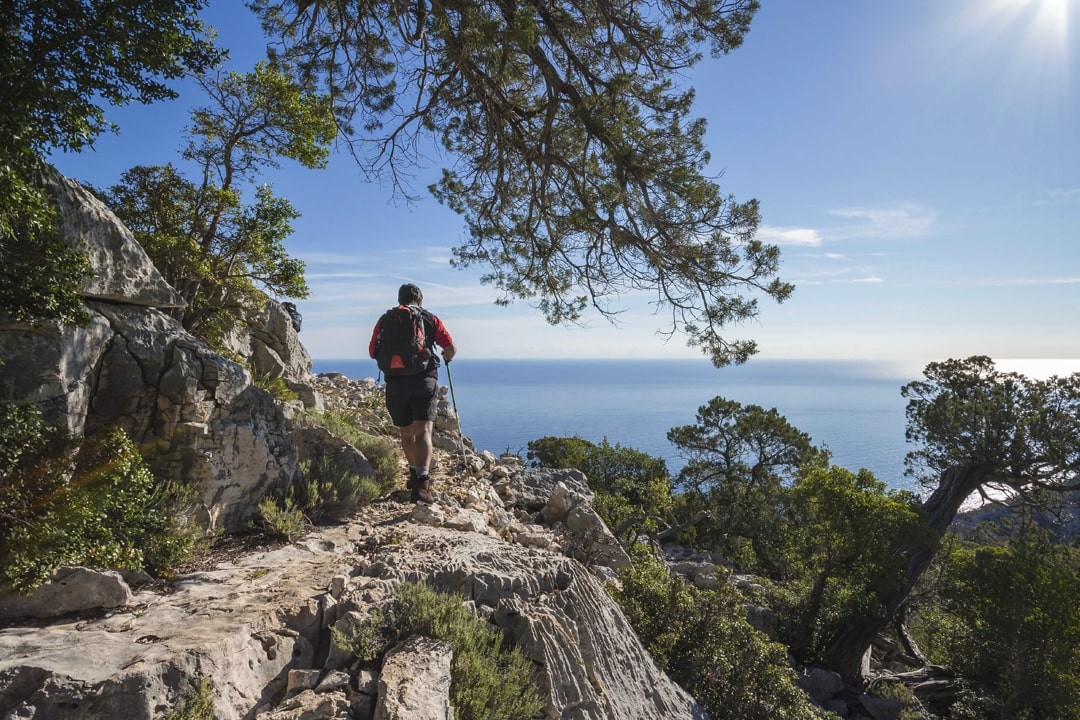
(250, 622)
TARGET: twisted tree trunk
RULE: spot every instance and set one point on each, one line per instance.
(846, 652)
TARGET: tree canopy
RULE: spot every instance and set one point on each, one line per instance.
(575, 161)
(976, 429)
(217, 251)
(740, 458)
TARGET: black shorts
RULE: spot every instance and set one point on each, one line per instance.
(411, 398)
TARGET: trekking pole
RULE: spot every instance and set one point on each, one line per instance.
(453, 401)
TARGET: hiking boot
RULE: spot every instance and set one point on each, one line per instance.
(411, 482)
(421, 491)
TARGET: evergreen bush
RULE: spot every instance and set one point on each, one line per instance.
(490, 680)
(196, 705)
(379, 451)
(87, 502)
(702, 640)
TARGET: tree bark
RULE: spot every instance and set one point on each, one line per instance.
(845, 653)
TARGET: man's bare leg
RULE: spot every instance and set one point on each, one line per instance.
(416, 443)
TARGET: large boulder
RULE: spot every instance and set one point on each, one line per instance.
(71, 589)
(415, 682)
(122, 270)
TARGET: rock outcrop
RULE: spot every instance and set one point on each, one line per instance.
(196, 415)
(524, 548)
(260, 626)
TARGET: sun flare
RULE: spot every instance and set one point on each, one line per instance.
(1041, 26)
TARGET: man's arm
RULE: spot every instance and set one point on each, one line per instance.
(374, 339)
(443, 339)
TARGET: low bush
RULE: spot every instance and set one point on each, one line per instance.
(379, 451)
(197, 704)
(1006, 618)
(282, 520)
(276, 386)
(489, 679)
(703, 641)
(86, 502)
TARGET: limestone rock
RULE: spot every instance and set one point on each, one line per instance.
(880, 708)
(310, 705)
(122, 270)
(193, 413)
(276, 350)
(532, 489)
(71, 589)
(414, 683)
(557, 613)
(819, 683)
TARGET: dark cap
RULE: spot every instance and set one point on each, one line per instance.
(409, 294)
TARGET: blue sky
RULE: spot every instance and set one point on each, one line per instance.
(918, 163)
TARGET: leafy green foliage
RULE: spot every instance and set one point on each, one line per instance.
(633, 489)
(276, 386)
(489, 680)
(217, 251)
(30, 242)
(739, 460)
(91, 502)
(379, 451)
(1007, 619)
(198, 704)
(1019, 432)
(702, 640)
(846, 538)
(282, 519)
(63, 59)
(59, 63)
(975, 429)
(330, 490)
(577, 165)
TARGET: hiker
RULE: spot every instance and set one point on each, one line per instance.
(403, 343)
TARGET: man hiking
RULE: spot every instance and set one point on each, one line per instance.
(403, 343)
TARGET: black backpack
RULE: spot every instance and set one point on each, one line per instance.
(402, 348)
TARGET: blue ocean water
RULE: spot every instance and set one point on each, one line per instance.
(852, 407)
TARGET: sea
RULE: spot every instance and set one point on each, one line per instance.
(852, 407)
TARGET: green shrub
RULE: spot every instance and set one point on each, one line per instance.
(383, 456)
(633, 489)
(845, 551)
(196, 705)
(703, 641)
(489, 680)
(1007, 619)
(379, 451)
(91, 502)
(276, 386)
(282, 519)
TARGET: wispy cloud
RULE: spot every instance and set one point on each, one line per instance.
(775, 235)
(902, 221)
(841, 276)
(1019, 282)
(1060, 196)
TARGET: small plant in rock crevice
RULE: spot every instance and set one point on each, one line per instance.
(198, 704)
(490, 680)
